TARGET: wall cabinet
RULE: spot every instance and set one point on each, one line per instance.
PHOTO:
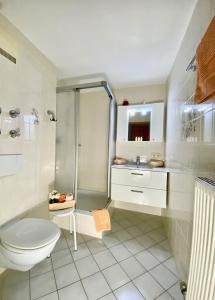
(140, 123)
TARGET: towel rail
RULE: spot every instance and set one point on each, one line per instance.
(192, 65)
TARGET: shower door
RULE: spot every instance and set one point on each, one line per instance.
(65, 142)
(85, 143)
(93, 146)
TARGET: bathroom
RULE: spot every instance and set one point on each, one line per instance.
(74, 76)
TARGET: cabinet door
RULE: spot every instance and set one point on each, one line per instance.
(137, 195)
(157, 123)
(140, 178)
(122, 124)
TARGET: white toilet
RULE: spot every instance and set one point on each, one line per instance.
(27, 242)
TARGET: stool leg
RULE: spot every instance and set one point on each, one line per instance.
(70, 224)
(74, 229)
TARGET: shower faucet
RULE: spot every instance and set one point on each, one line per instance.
(14, 113)
(14, 132)
(52, 114)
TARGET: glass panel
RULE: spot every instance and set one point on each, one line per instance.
(139, 125)
(93, 149)
(65, 142)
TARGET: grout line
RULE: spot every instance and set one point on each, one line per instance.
(54, 278)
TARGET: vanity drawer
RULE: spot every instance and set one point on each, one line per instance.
(140, 178)
(137, 195)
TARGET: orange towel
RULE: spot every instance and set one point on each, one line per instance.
(102, 220)
(205, 60)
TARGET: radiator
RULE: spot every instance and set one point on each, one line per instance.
(201, 279)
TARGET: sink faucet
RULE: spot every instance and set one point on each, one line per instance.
(138, 161)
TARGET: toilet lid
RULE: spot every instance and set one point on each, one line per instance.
(30, 234)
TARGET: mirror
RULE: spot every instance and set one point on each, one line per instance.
(140, 123)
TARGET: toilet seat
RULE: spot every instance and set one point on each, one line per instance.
(29, 234)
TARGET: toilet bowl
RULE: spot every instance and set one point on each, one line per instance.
(27, 242)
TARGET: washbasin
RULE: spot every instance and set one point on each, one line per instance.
(139, 166)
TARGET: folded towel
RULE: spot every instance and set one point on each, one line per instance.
(102, 220)
(205, 61)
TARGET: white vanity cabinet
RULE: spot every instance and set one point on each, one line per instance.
(139, 186)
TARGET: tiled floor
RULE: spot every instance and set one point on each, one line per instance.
(132, 262)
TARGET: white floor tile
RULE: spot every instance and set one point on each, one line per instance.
(74, 291)
(16, 291)
(115, 226)
(43, 267)
(82, 252)
(70, 240)
(156, 236)
(120, 252)
(95, 286)
(132, 267)
(148, 287)
(42, 285)
(147, 260)
(66, 275)
(128, 292)
(125, 223)
(104, 259)
(175, 292)
(52, 296)
(86, 266)
(159, 252)
(145, 241)
(115, 276)
(123, 235)
(11, 277)
(170, 264)
(165, 244)
(111, 240)
(96, 246)
(108, 297)
(134, 231)
(61, 258)
(133, 246)
(61, 244)
(144, 227)
(164, 296)
(163, 276)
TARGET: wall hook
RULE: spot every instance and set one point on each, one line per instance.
(52, 114)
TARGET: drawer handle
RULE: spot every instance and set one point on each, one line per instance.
(141, 174)
(136, 191)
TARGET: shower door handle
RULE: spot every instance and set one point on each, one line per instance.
(79, 145)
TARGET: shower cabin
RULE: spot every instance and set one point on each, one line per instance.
(85, 143)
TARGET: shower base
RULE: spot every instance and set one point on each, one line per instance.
(91, 200)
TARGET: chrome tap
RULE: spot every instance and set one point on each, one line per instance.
(138, 161)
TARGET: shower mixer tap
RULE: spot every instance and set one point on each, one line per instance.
(52, 114)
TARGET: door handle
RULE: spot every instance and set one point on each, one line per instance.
(136, 191)
(140, 174)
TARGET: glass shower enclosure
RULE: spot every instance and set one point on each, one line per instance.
(85, 143)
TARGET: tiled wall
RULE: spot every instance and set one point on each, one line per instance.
(31, 83)
(190, 138)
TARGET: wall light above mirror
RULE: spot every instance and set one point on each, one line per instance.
(140, 123)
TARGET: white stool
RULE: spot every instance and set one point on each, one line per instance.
(64, 213)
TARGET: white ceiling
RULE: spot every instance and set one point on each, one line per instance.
(132, 42)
